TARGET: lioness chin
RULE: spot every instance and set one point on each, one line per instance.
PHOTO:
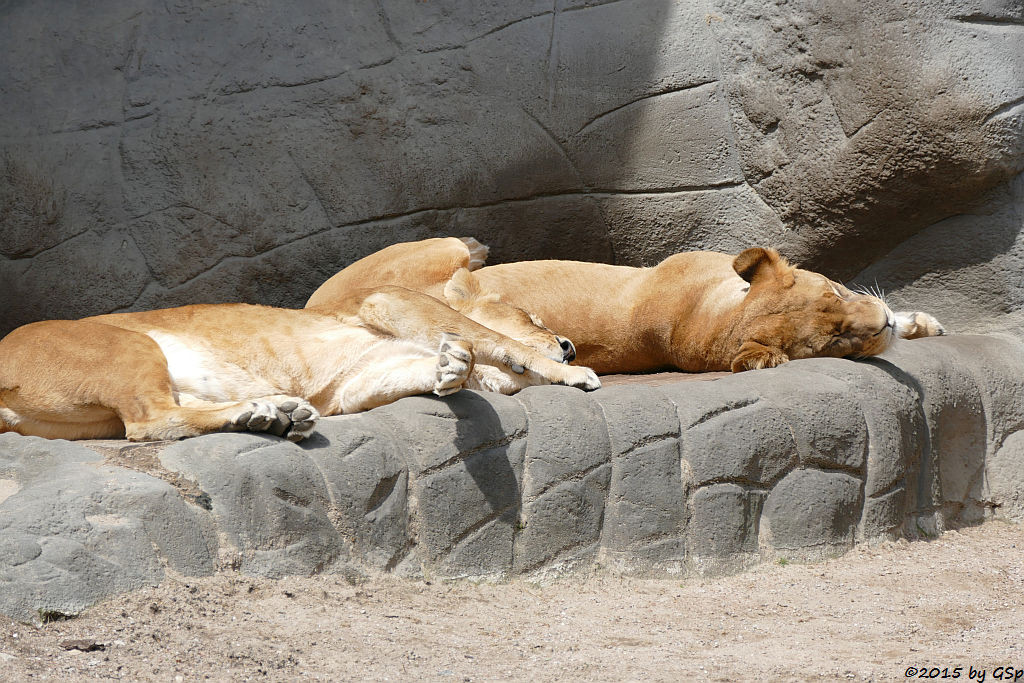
(695, 311)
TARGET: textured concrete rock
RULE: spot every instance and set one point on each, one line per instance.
(75, 528)
(828, 428)
(948, 476)
(155, 155)
(566, 480)
(828, 142)
(1004, 477)
(268, 500)
(963, 269)
(751, 443)
(812, 513)
(801, 461)
(645, 516)
(895, 426)
(465, 457)
(367, 486)
(725, 525)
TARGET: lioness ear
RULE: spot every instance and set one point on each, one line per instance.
(756, 356)
(464, 290)
(757, 264)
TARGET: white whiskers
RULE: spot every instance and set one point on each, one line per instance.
(875, 291)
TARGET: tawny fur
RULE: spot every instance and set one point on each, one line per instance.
(181, 372)
(695, 311)
(440, 267)
(423, 266)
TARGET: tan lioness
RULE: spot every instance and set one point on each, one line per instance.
(182, 372)
(695, 311)
(442, 270)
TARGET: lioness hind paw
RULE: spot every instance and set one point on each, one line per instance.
(454, 363)
(257, 416)
(295, 419)
(304, 421)
(292, 418)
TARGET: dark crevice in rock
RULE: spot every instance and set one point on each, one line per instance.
(34, 254)
(650, 96)
(385, 487)
(727, 408)
(647, 440)
(498, 29)
(291, 498)
(462, 456)
(591, 5)
(990, 20)
(475, 527)
(145, 458)
(743, 482)
(831, 467)
(400, 554)
(577, 476)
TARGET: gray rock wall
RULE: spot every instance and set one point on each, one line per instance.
(798, 462)
(154, 154)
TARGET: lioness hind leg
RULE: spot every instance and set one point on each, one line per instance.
(384, 382)
(288, 416)
(63, 379)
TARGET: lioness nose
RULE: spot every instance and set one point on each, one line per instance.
(568, 350)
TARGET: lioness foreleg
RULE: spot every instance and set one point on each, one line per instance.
(412, 316)
(383, 382)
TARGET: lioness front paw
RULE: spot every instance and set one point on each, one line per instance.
(581, 378)
(916, 324)
(454, 363)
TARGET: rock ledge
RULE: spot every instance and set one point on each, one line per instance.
(800, 462)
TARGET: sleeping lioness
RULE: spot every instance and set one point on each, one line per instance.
(182, 372)
(695, 311)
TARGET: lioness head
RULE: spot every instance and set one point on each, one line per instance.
(464, 294)
(790, 313)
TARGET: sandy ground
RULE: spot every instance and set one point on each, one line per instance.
(934, 605)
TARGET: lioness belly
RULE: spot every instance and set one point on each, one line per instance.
(200, 371)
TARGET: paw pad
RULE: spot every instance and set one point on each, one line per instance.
(454, 363)
(292, 418)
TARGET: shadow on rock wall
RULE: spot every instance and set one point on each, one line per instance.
(157, 154)
(861, 123)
